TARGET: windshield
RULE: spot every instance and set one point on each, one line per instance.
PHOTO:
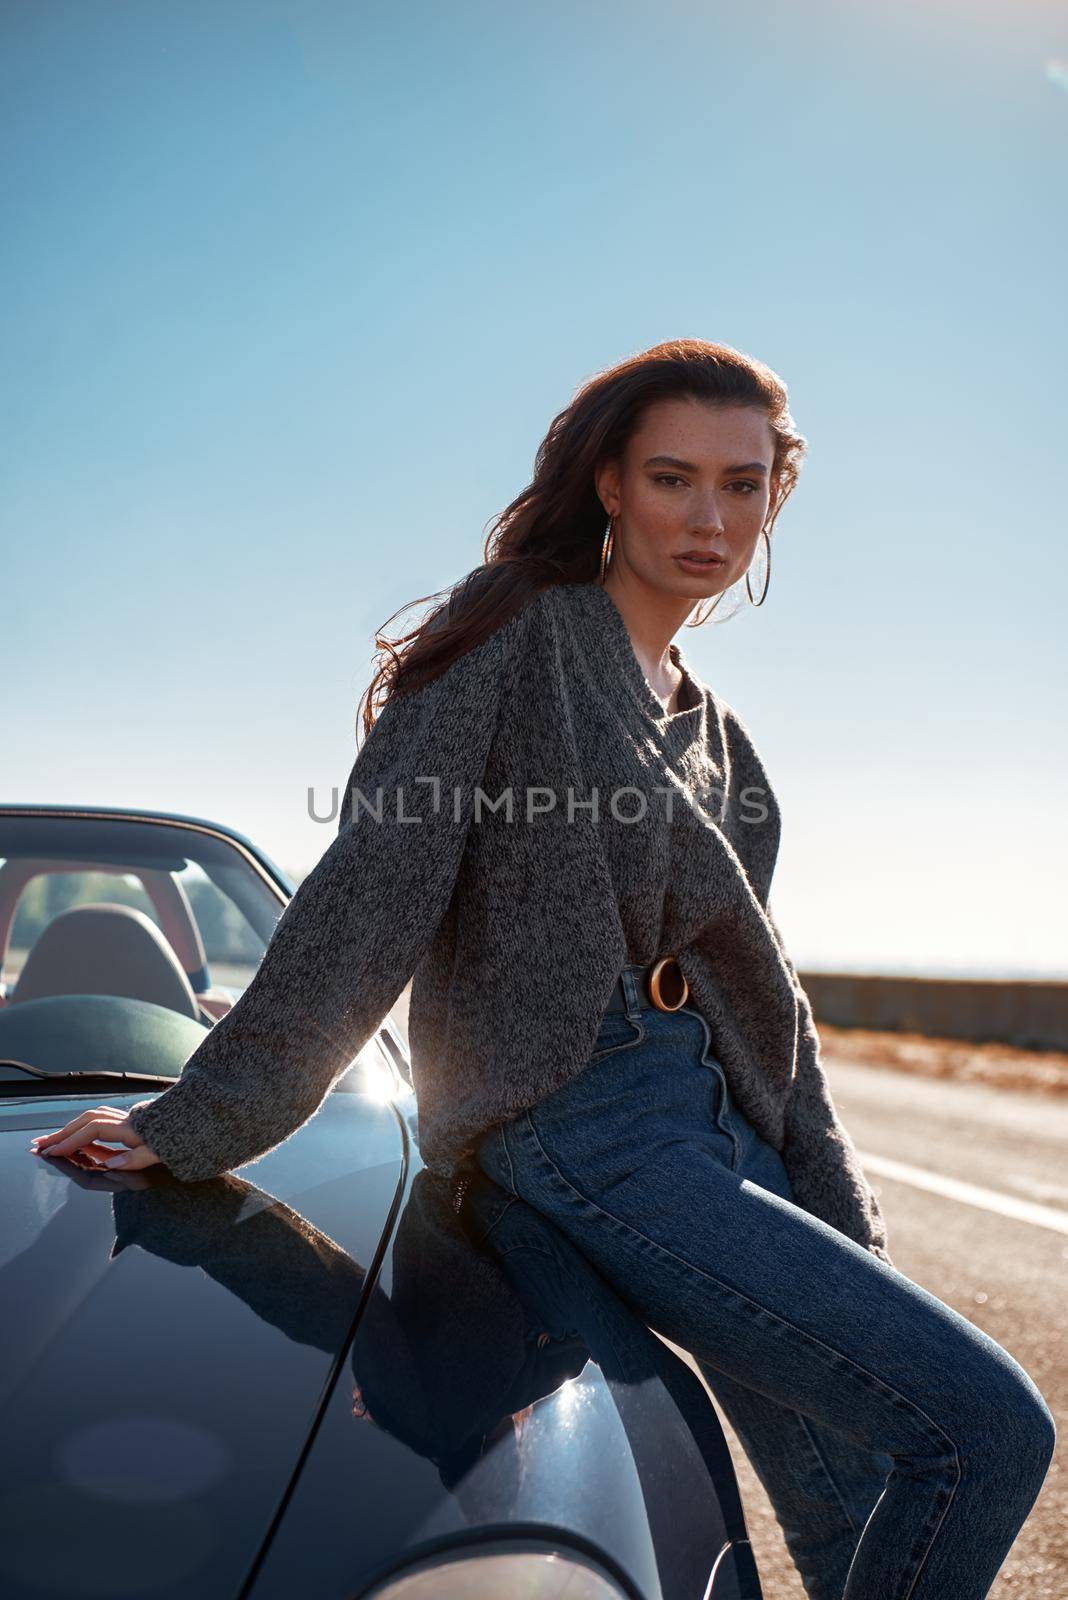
(121, 941)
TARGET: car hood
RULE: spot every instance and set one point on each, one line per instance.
(161, 1366)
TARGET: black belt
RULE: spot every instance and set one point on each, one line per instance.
(661, 984)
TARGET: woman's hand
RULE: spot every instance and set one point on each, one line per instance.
(86, 1132)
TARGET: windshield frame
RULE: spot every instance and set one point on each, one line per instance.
(272, 874)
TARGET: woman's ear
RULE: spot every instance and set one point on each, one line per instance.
(606, 482)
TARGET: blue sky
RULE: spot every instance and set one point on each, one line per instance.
(292, 292)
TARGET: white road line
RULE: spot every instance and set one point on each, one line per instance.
(969, 1193)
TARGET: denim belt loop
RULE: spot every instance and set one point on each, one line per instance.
(629, 980)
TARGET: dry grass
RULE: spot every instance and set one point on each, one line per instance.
(1001, 1066)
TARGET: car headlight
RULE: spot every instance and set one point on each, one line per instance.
(488, 1571)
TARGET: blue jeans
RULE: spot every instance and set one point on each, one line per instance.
(900, 1446)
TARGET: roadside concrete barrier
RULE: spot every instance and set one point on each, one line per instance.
(1030, 1014)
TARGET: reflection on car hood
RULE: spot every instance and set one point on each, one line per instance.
(159, 1374)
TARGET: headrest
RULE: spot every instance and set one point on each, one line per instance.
(105, 949)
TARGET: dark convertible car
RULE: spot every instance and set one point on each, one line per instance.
(324, 1375)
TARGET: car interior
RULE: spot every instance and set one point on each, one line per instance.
(104, 948)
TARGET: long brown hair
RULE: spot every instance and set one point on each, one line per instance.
(552, 531)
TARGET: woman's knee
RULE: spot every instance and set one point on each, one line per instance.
(1040, 1433)
(1030, 1450)
(1016, 1422)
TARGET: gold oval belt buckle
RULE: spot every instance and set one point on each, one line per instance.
(667, 985)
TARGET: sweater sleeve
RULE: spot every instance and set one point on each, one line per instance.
(352, 934)
(819, 1156)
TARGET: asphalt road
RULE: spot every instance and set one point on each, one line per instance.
(1007, 1274)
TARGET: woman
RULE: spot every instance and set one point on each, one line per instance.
(569, 840)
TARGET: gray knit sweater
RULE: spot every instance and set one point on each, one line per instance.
(511, 835)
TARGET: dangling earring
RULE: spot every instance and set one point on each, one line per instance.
(607, 544)
(767, 574)
(697, 620)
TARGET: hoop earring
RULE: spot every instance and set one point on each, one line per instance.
(607, 546)
(697, 621)
(767, 574)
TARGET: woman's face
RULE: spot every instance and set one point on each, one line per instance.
(694, 477)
